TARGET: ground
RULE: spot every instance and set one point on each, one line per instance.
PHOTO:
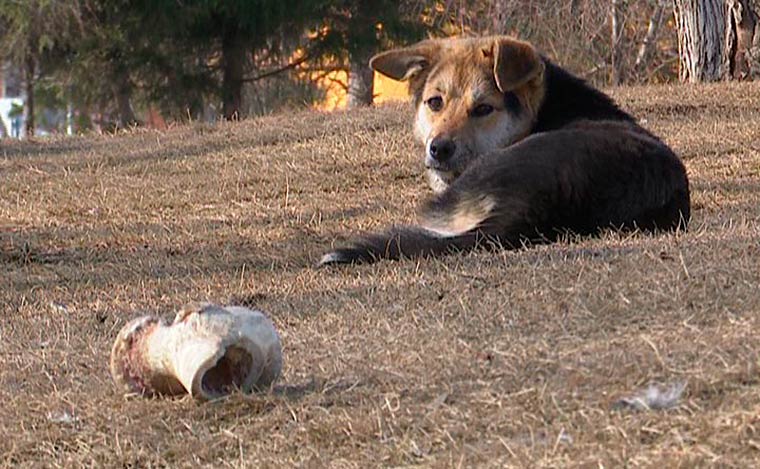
(512, 358)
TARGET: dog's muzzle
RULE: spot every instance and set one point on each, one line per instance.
(435, 165)
(439, 152)
(439, 181)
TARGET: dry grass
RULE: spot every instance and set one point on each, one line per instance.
(482, 359)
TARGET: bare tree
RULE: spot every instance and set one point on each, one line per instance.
(616, 13)
(701, 32)
(718, 39)
(650, 39)
(741, 57)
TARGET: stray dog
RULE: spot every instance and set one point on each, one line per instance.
(520, 151)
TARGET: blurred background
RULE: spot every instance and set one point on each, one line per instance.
(72, 66)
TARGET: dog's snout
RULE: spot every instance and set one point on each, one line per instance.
(442, 148)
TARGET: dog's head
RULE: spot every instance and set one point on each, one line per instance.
(472, 96)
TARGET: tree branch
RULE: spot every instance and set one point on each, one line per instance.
(276, 71)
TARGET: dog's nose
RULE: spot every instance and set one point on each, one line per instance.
(442, 148)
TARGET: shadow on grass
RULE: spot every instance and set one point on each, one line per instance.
(298, 391)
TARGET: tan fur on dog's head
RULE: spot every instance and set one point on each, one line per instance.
(473, 96)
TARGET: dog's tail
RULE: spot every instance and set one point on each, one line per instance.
(401, 242)
(452, 221)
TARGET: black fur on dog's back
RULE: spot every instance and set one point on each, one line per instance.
(569, 99)
(586, 166)
(554, 182)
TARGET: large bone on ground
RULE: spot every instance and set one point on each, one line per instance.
(208, 351)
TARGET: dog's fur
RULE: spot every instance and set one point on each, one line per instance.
(518, 150)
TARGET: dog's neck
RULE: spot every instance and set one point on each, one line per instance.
(569, 99)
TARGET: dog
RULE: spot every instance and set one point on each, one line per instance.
(520, 151)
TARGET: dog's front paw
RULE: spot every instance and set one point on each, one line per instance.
(343, 256)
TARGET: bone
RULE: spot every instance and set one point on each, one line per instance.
(209, 351)
(653, 397)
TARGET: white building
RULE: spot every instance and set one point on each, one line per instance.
(11, 103)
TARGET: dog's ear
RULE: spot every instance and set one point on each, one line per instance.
(403, 64)
(515, 63)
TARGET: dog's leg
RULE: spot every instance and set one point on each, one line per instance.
(455, 220)
(399, 242)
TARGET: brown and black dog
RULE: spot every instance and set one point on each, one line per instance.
(518, 150)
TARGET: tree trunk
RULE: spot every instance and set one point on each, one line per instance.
(233, 68)
(360, 81)
(122, 88)
(701, 26)
(69, 117)
(363, 43)
(4, 130)
(617, 11)
(645, 51)
(30, 67)
(741, 57)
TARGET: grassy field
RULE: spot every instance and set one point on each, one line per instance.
(513, 358)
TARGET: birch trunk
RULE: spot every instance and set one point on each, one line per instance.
(701, 36)
(617, 42)
(650, 39)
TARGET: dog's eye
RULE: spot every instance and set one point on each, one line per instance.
(482, 110)
(435, 103)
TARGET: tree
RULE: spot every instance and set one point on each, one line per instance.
(700, 25)
(226, 34)
(653, 28)
(104, 59)
(717, 39)
(358, 29)
(741, 57)
(186, 57)
(616, 20)
(30, 29)
(362, 44)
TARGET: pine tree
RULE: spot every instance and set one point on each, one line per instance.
(29, 29)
